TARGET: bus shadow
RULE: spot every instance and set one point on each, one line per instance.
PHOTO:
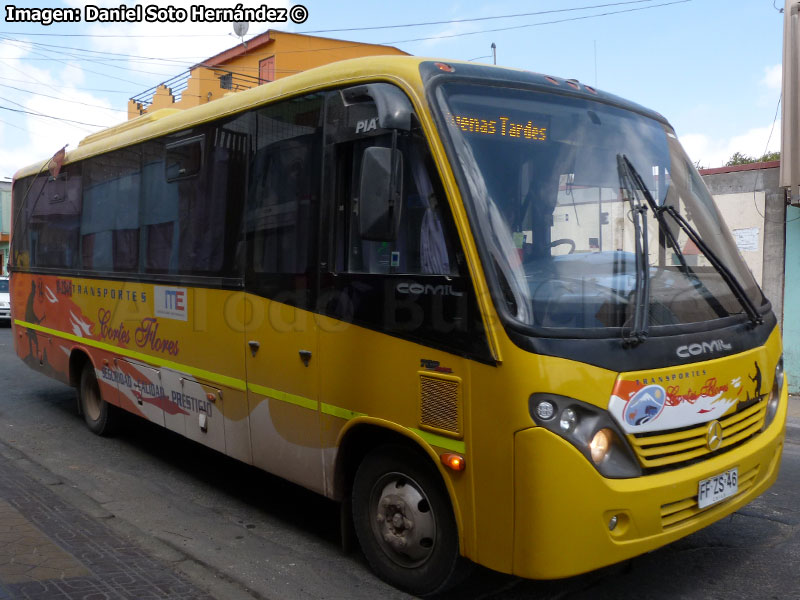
(292, 504)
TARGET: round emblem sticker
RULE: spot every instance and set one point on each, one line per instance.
(645, 405)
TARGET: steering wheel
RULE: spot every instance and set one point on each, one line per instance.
(562, 241)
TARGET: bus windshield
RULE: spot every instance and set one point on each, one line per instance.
(553, 184)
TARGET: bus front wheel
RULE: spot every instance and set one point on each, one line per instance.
(101, 417)
(404, 522)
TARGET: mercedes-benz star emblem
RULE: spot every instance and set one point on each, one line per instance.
(714, 435)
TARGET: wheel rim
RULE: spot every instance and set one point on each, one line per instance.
(402, 520)
(91, 401)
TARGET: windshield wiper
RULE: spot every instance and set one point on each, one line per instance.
(641, 307)
(673, 242)
(733, 283)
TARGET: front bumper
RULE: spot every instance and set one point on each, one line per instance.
(563, 505)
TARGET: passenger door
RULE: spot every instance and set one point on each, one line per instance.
(280, 279)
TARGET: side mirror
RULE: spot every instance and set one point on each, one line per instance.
(380, 191)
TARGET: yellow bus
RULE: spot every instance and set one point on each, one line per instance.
(495, 314)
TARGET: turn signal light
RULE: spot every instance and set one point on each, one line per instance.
(453, 461)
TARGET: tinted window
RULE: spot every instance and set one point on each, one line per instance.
(283, 193)
(184, 158)
(46, 233)
(192, 193)
(110, 219)
(422, 242)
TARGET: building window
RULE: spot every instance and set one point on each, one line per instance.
(266, 70)
(226, 81)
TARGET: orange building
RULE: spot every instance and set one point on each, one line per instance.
(266, 57)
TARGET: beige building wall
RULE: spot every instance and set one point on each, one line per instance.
(744, 215)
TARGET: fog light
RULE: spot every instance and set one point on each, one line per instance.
(612, 524)
(568, 420)
(600, 444)
(545, 410)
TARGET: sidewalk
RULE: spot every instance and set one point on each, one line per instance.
(54, 551)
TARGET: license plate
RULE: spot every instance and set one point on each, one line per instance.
(716, 489)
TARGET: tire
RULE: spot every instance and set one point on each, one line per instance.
(416, 549)
(101, 417)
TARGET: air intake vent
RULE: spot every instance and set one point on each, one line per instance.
(440, 404)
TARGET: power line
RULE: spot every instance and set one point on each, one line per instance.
(50, 57)
(606, 14)
(583, 17)
(62, 87)
(37, 114)
(380, 27)
(452, 21)
(11, 87)
(105, 52)
(88, 70)
(14, 126)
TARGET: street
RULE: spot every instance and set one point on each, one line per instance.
(235, 532)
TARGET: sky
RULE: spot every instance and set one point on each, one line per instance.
(711, 67)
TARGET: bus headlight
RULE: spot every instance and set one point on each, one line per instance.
(590, 429)
(600, 445)
(774, 399)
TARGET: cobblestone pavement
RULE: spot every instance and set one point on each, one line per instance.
(51, 550)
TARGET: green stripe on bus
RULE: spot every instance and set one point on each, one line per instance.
(231, 382)
(240, 385)
(342, 413)
(282, 396)
(441, 441)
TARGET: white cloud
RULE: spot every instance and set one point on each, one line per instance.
(26, 138)
(772, 77)
(712, 153)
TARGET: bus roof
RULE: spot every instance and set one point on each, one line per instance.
(389, 68)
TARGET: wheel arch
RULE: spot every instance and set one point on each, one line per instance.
(364, 434)
(78, 357)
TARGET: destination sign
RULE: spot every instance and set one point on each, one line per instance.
(502, 127)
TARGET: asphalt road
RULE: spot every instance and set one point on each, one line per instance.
(240, 533)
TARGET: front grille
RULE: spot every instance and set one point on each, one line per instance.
(684, 511)
(660, 451)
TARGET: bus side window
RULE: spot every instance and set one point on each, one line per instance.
(159, 225)
(422, 241)
(53, 210)
(192, 201)
(110, 219)
(282, 198)
(184, 158)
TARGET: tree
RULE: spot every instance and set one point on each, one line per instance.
(743, 159)
(770, 156)
(739, 159)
